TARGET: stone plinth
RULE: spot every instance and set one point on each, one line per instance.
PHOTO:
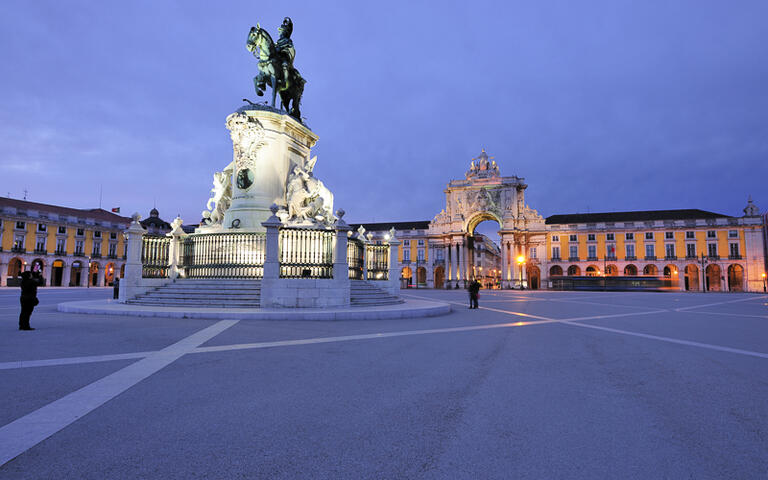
(267, 145)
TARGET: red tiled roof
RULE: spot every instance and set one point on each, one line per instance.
(94, 213)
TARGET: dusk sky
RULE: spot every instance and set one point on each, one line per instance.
(600, 106)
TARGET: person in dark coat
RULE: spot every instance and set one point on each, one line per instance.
(474, 293)
(28, 299)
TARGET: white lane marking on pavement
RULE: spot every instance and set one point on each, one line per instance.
(672, 340)
(508, 312)
(73, 360)
(726, 314)
(24, 433)
(605, 304)
(681, 309)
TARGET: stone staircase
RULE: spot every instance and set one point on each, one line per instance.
(242, 293)
(212, 293)
(367, 294)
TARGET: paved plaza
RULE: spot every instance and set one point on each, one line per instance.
(532, 385)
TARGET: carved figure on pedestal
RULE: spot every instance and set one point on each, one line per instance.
(307, 197)
(222, 196)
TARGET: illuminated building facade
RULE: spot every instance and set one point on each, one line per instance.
(68, 246)
(689, 249)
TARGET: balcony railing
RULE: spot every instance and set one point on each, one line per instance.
(573, 259)
(112, 256)
(591, 259)
(650, 257)
(713, 257)
(734, 257)
(630, 258)
(670, 257)
(610, 258)
(60, 252)
(221, 255)
(691, 257)
(95, 255)
(306, 253)
(555, 259)
(78, 254)
(18, 250)
(41, 251)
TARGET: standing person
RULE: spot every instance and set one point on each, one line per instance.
(28, 299)
(474, 293)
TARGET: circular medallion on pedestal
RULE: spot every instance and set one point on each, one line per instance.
(244, 179)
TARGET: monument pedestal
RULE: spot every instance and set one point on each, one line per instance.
(267, 144)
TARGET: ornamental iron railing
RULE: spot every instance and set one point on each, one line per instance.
(355, 257)
(378, 262)
(306, 253)
(223, 255)
(154, 256)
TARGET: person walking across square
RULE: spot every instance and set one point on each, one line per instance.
(28, 299)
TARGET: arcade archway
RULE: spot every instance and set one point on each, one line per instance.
(440, 277)
(736, 278)
(712, 278)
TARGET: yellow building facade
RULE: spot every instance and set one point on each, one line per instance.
(68, 246)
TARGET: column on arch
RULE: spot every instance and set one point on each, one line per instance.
(66, 274)
(430, 265)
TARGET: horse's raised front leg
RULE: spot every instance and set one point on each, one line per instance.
(258, 85)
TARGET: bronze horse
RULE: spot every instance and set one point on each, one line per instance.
(275, 73)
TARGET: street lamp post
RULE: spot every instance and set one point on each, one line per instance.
(764, 282)
(703, 273)
(520, 263)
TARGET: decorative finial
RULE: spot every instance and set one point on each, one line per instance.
(340, 213)
(274, 208)
(136, 217)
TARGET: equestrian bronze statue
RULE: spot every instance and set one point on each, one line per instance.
(276, 68)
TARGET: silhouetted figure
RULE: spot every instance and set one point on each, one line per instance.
(116, 287)
(28, 299)
(474, 293)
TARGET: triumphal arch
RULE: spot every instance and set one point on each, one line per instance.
(484, 194)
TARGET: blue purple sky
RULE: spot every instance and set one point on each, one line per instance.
(600, 105)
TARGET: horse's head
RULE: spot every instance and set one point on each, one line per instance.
(258, 38)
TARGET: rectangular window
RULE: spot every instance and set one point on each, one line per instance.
(40, 245)
(650, 251)
(734, 250)
(590, 237)
(669, 235)
(610, 236)
(690, 235)
(555, 252)
(439, 254)
(21, 225)
(406, 243)
(592, 251)
(80, 232)
(97, 248)
(610, 250)
(712, 249)
(711, 234)
(113, 235)
(573, 252)
(690, 250)
(733, 234)
(41, 227)
(406, 254)
(61, 245)
(96, 234)
(555, 238)
(630, 251)
(420, 254)
(670, 250)
(649, 235)
(629, 236)
(18, 242)
(112, 249)
(572, 238)
(79, 247)
(62, 230)
(532, 252)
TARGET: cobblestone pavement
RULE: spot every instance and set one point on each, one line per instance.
(531, 385)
